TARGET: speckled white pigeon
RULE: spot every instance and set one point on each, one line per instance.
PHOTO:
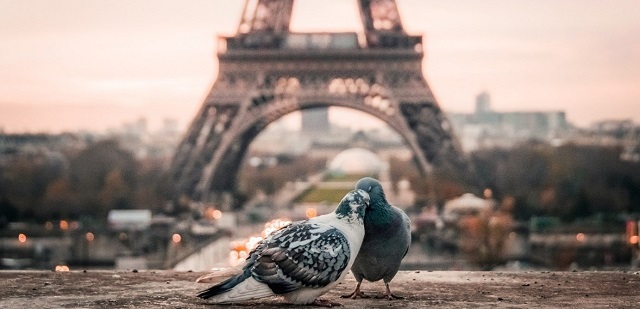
(386, 241)
(301, 261)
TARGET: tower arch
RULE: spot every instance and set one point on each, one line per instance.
(266, 72)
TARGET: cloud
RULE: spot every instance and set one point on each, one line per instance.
(575, 55)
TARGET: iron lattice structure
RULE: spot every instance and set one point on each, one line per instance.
(266, 72)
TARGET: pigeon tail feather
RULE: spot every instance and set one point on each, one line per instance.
(224, 286)
(236, 289)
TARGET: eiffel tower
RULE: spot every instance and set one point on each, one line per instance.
(267, 71)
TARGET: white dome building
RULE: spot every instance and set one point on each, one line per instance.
(465, 204)
(356, 161)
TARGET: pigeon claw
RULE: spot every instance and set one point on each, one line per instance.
(393, 296)
(355, 295)
(389, 295)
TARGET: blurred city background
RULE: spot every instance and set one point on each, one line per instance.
(537, 191)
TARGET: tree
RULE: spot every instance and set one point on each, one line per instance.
(570, 181)
(104, 177)
(26, 178)
(59, 200)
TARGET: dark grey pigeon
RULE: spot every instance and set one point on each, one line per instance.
(386, 241)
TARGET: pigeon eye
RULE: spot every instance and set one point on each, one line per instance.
(369, 188)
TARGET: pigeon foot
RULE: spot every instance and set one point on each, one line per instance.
(393, 296)
(389, 295)
(355, 295)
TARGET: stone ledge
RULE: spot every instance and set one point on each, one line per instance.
(438, 289)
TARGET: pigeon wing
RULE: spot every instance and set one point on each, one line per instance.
(302, 255)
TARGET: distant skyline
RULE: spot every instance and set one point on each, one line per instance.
(94, 64)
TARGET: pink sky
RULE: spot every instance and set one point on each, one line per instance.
(94, 64)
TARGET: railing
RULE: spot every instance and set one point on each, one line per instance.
(318, 41)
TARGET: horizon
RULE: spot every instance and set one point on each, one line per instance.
(90, 65)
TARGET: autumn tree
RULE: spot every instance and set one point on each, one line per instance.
(569, 181)
(104, 176)
(25, 180)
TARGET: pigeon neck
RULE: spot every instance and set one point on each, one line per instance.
(379, 214)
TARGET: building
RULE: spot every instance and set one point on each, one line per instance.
(486, 128)
(315, 121)
(383, 142)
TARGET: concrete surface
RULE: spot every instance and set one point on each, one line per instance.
(422, 289)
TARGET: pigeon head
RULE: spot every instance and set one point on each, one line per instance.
(374, 188)
(353, 205)
(379, 211)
